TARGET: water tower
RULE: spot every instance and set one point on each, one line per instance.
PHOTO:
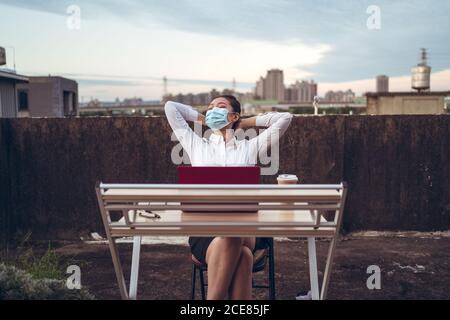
(2, 56)
(420, 75)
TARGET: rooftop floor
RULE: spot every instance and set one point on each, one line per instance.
(413, 266)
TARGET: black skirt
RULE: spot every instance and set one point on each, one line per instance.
(199, 245)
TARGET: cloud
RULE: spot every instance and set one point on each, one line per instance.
(354, 52)
(51, 6)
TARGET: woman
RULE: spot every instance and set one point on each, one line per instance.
(229, 260)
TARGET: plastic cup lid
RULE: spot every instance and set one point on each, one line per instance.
(287, 177)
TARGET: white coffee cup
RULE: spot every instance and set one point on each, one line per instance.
(287, 179)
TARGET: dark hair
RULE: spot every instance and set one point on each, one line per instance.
(235, 104)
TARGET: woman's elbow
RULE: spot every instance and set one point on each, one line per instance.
(288, 119)
(288, 116)
(169, 106)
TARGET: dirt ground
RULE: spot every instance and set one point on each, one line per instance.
(412, 267)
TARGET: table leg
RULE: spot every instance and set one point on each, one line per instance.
(326, 276)
(313, 274)
(135, 267)
(118, 268)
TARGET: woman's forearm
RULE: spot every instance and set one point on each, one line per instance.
(178, 112)
(247, 122)
(201, 119)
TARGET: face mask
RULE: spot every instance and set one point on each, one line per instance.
(217, 118)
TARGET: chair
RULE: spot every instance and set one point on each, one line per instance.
(259, 264)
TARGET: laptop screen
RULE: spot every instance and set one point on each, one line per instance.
(219, 175)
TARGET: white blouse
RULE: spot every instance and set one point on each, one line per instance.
(213, 151)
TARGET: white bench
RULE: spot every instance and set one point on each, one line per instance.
(282, 211)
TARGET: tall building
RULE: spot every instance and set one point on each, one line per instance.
(200, 99)
(214, 94)
(313, 90)
(382, 83)
(340, 96)
(272, 88)
(259, 89)
(274, 85)
(303, 92)
(291, 93)
(306, 91)
(349, 96)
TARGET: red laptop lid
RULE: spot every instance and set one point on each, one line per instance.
(219, 175)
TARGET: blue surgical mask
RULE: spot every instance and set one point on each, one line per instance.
(217, 118)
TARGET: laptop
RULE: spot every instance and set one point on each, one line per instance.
(220, 175)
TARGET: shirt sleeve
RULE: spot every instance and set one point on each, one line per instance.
(277, 123)
(178, 114)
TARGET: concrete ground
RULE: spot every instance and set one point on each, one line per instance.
(413, 266)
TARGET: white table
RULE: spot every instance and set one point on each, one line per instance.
(280, 211)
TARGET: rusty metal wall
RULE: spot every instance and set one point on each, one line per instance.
(397, 168)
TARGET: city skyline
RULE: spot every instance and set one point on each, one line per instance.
(124, 50)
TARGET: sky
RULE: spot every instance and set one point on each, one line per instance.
(124, 48)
